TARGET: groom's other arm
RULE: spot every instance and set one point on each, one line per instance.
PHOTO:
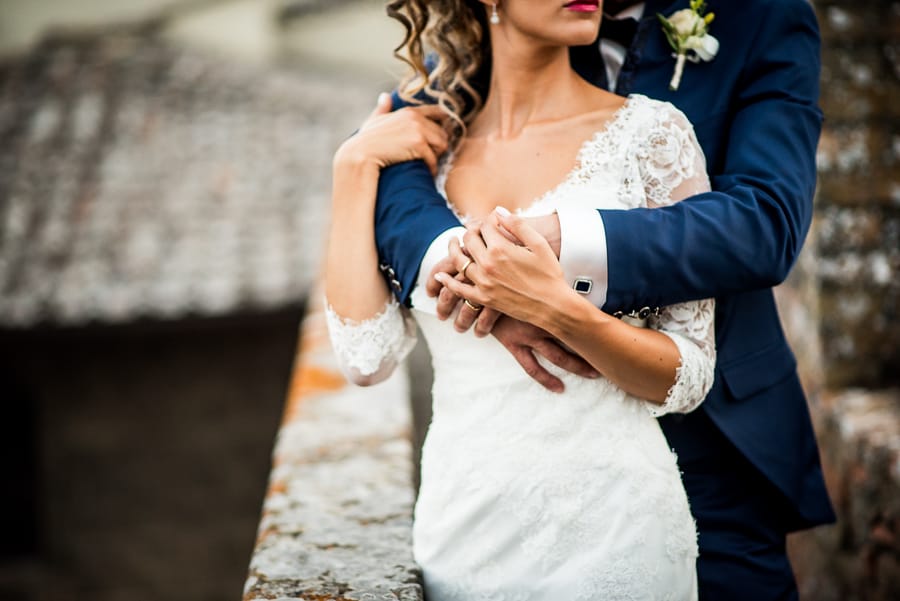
(748, 232)
(410, 216)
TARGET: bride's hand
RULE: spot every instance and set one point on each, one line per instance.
(546, 225)
(447, 302)
(524, 281)
(404, 135)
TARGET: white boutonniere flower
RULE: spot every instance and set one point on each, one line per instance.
(687, 32)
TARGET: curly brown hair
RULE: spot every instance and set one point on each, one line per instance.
(457, 33)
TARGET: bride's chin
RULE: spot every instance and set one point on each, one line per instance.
(581, 34)
(583, 40)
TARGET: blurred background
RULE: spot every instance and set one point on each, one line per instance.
(164, 173)
(164, 189)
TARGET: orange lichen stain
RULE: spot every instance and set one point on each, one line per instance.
(261, 536)
(309, 380)
(281, 458)
(277, 487)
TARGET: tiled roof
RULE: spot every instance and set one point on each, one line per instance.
(295, 9)
(142, 180)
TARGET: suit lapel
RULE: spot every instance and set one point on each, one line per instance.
(588, 61)
(645, 44)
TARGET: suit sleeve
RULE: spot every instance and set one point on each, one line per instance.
(409, 215)
(748, 232)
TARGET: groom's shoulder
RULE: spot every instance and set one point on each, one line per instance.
(764, 8)
(759, 12)
(780, 4)
(762, 27)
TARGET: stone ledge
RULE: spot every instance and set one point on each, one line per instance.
(862, 434)
(859, 557)
(337, 518)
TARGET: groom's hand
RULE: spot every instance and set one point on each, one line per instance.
(523, 340)
(447, 302)
(548, 227)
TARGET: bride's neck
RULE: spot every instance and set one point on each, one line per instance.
(528, 85)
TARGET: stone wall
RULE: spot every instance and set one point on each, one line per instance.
(858, 206)
(848, 282)
(337, 518)
(859, 557)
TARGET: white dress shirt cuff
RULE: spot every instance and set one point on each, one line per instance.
(436, 251)
(582, 252)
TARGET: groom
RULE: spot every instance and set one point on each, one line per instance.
(748, 455)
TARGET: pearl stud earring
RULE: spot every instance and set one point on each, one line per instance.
(495, 18)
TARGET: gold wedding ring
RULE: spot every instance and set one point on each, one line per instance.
(472, 305)
(466, 266)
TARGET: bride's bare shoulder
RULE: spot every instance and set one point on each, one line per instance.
(602, 107)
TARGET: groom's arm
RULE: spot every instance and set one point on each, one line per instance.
(748, 232)
(410, 217)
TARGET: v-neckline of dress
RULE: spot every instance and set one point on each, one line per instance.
(577, 173)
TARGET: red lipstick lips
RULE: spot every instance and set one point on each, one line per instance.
(583, 6)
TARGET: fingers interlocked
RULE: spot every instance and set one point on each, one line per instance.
(464, 267)
(473, 306)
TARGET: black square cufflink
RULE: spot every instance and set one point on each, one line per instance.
(583, 285)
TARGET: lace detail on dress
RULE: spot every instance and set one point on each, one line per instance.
(663, 165)
(690, 326)
(595, 155)
(560, 488)
(671, 164)
(369, 350)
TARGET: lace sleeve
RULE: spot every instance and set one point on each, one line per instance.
(671, 162)
(672, 167)
(691, 327)
(368, 351)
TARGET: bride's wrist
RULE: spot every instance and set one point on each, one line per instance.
(354, 182)
(351, 161)
(571, 314)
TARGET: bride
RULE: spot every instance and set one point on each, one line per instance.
(525, 493)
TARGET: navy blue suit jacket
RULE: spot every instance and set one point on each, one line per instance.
(754, 109)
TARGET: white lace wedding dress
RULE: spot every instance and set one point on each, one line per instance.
(532, 495)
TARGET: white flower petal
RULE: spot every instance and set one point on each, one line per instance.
(710, 47)
(686, 22)
(705, 46)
